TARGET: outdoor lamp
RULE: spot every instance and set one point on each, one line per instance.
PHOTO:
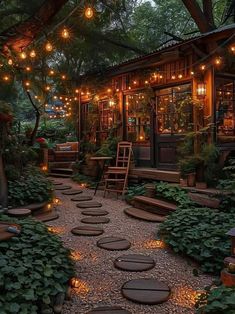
(74, 282)
(201, 89)
(231, 233)
(89, 12)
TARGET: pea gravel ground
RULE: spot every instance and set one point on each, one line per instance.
(100, 283)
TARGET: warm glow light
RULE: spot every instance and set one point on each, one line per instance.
(160, 76)
(63, 77)
(44, 168)
(154, 244)
(23, 55)
(28, 69)
(146, 82)
(203, 67)
(141, 137)
(117, 90)
(76, 256)
(201, 89)
(56, 230)
(48, 46)
(81, 287)
(56, 201)
(173, 77)
(52, 72)
(10, 61)
(76, 91)
(232, 48)
(32, 54)
(192, 73)
(6, 78)
(218, 60)
(47, 88)
(65, 33)
(89, 12)
(134, 82)
(27, 83)
(180, 76)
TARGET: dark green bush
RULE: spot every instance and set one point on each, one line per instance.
(217, 301)
(83, 179)
(135, 190)
(31, 187)
(34, 268)
(201, 234)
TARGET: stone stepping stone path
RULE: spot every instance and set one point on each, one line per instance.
(36, 206)
(19, 212)
(89, 205)
(146, 291)
(94, 212)
(63, 187)
(81, 198)
(72, 192)
(44, 217)
(87, 231)
(143, 215)
(109, 310)
(95, 220)
(8, 230)
(113, 244)
(134, 262)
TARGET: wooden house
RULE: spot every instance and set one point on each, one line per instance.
(155, 99)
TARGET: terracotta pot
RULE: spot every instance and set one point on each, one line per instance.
(201, 185)
(228, 279)
(191, 179)
(183, 182)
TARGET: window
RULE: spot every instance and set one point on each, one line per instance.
(137, 117)
(174, 110)
(106, 114)
(225, 109)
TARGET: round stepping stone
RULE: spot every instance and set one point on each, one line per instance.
(134, 262)
(63, 187)
(94, 212)
(146, 291)
(87, 231)
(81, 198)
(143, 215)
(36, 206)
(95, 220)
(109, 310)
(89, 205)
(44, 217)
(72, 192)
(113, 244)
(5, 233)
(19, 212)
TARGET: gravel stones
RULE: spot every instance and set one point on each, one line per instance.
(109, 310)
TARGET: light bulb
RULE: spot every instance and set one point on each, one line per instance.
(65, 33)
(89, 12)
(23, 55)
(48, 46)
(32, 54)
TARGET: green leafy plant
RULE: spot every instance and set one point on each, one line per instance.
(31, 187)
(217, 300)
(35, 267)
(135, 190)
(201, 234)
(83, 179)
(212, 169)
(173, 193)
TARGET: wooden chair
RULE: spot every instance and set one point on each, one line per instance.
(116, 178)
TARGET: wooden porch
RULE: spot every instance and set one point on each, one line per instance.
(155, 174)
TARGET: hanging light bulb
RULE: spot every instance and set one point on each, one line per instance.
(65, 33)
(89, 12)
(32, 54)
(23, 55)
(218, 61)
(48, 46)
(28, 69)
(63, 77)
(6, 78)
(232, 48)
(10, 61)
(27, 83)
(52, 72)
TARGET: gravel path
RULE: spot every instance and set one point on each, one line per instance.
(100, 282)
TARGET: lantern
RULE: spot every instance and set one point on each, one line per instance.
(231, 233)
(201, 89)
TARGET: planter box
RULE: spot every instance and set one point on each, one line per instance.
(227, 278)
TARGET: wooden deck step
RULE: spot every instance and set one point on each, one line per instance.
(156, 174)
(62, 170)
(153, 205)
(59, 175)
(143, 214)
(204, 200)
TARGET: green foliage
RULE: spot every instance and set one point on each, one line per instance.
(173, 193)
(212, 170)
(189, 165)
(83, 179)
(109, 146)
(228, 183)
(31, 187)
(34, 269)
(217, 300)
(5, 108)
(201, 234)
(135, 190)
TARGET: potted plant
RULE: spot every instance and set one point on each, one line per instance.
(228, 275)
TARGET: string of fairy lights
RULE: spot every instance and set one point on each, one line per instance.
(65, 101)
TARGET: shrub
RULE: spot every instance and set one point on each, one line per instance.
(217, 301)
(34, 269)
(135, 190)
(201, 234)
(83, 179)
(31, 187)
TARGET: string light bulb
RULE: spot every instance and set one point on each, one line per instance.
(65, 33)
(32, 54)
(10, 61)
(23, 55)
(232, 48)
(48, 46)
(27, 83)
(28, 69)
(6, 78)
(89, 12)
(63, 77)
(203, 67)
(218, 61)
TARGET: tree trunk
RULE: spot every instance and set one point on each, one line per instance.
(34, 132)
(198, 16)
(208, 12)
(3, 184)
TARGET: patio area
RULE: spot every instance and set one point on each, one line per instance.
(100, 282)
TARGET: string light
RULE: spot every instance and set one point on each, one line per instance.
(48, 46)
(180, 76)
(23, 55)
(10, 61)
(65, 33)
(28, 69)
(232, 48)
(203, 67)
(173, 77)
(51, 72)
(6, 78)
(47, 88)
(218, 61)
(192, 73)
(89, 12)
(32, 54)
(27, 83)
(63, 77)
